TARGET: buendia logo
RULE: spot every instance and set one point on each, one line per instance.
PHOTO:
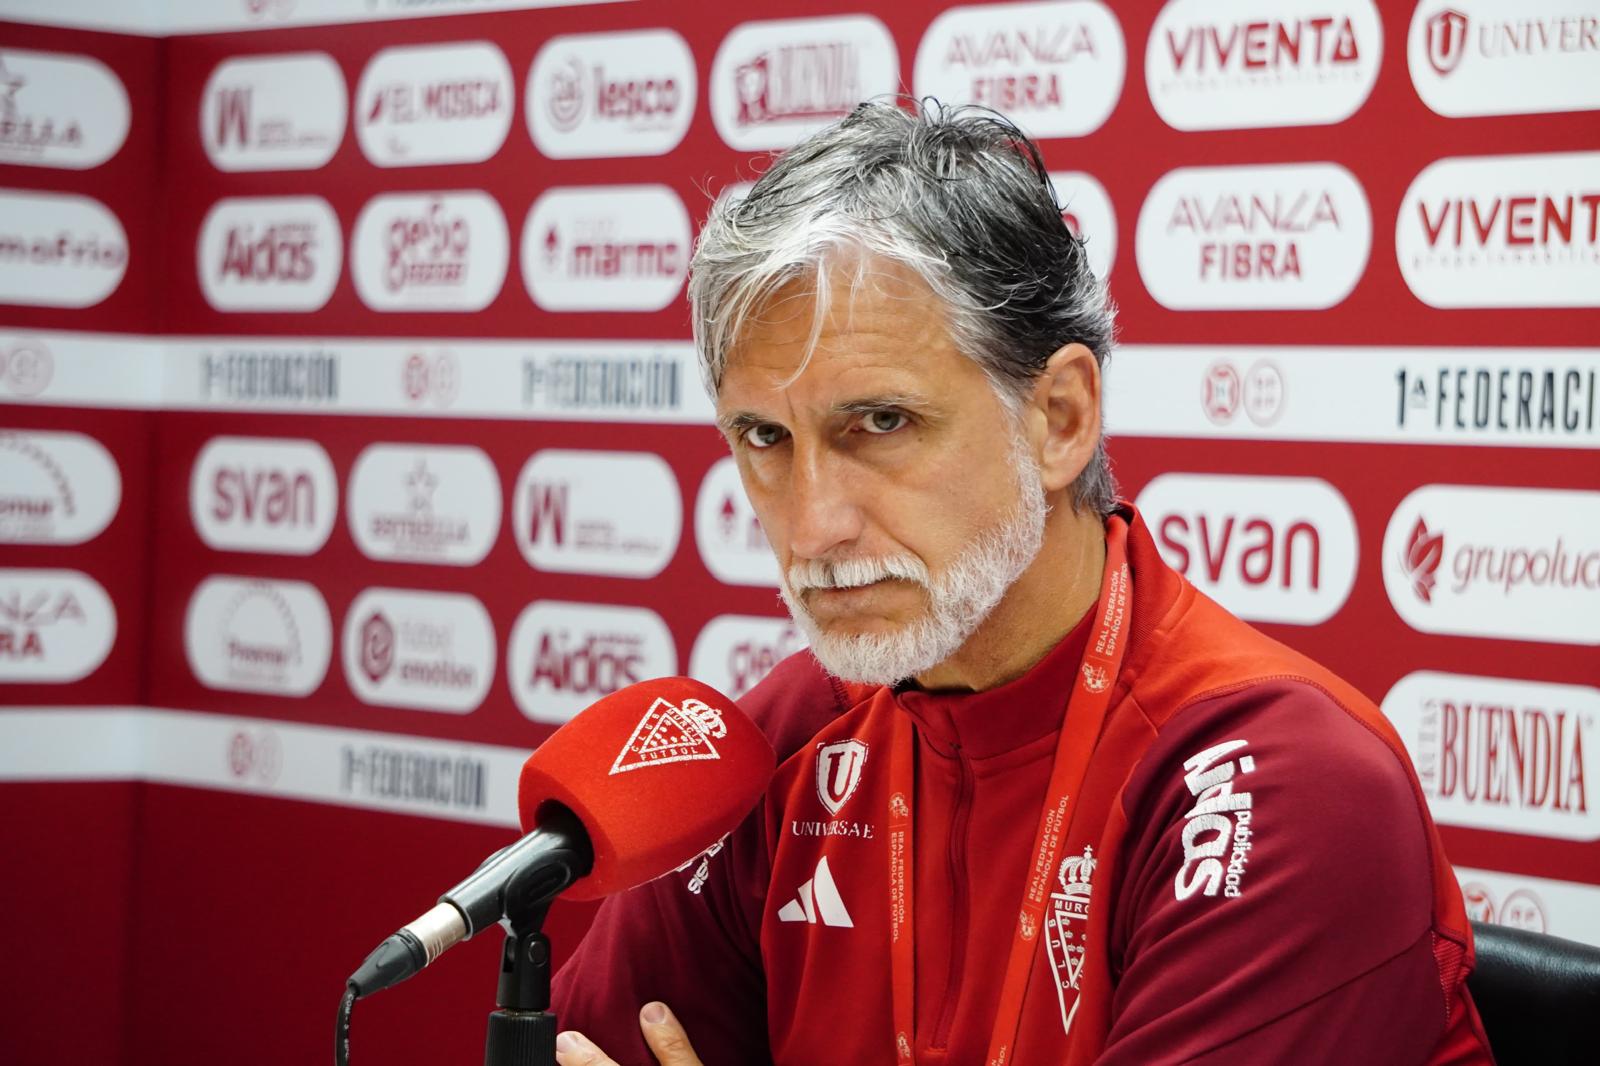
(1216, 830)
(670, 733)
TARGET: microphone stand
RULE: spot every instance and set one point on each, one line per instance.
(522, 1032)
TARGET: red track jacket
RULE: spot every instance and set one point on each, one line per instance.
(1320, 924)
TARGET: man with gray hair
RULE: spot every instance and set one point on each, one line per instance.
(1020, 766)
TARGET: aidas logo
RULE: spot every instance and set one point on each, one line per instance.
(1217, 825)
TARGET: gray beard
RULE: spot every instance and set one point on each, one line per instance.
(959, 599)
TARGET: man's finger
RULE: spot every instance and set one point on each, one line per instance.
(667, 1040)
(575, 1049)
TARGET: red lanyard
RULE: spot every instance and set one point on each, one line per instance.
(1086, 712)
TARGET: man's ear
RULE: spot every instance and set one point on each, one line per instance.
(1066, 402)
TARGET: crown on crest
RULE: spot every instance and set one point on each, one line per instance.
(706, 718)
(1076, 870)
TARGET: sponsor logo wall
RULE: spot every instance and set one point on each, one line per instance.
(398, 303)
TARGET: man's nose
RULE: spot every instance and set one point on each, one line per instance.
(823, 514)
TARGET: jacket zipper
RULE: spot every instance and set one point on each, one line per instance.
(959, 900)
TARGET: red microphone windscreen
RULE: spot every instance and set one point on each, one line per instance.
(656, 772)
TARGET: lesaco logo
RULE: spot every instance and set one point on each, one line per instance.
(1501, 754)
(773, 83)
(244, 634)
(440, 251)
(1473, 57)
(273, 253)
(617, 514)
(600, 95)
(564, 656)
(728, 533)
(1086, 209)
(735, 651)
(1054, 67)
(1510, 563)
(56, 626)
(1245, 64)
(424, 504)
(275, 112)
(1292, 235)
(426, 651)
(436, 103)
(60, 488)
(263, 494)
(1270, 549)
(1503, 231)
(606, 248)
(60, 110)
(58, 249)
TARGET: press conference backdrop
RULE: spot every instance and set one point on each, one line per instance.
(352, 437)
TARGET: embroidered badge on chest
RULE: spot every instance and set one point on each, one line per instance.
(1065, 925)
(669, 733)
(839, 771)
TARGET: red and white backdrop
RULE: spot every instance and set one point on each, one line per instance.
(352, 438)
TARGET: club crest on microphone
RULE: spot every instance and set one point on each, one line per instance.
(670, 732)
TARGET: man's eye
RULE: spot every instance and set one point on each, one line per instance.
(764, 435)
(883, 421)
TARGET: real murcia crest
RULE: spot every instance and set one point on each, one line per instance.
(670, 733)
(839, 771)
(1064, 928)
(1094, 678)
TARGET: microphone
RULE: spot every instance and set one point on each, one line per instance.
(630, 789)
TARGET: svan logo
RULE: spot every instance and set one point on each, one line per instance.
(1055, 68)
(734, 651)
(1244, 64)
(728, 533)
(437, 103)
(280, 253)
(60, 488)
(563, 656)
(1269, 549)
(60, 110)
(1292, 235)
(617, 514)
(273, 112)
(598, 95)
(263, 494)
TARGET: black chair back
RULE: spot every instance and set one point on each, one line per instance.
(1538, 995)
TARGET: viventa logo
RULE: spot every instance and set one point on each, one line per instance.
(818, 902)
(1424, 551)
(670, 733)
(839, 772)
(1220, 818)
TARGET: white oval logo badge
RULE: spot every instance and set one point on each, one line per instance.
(424, 503)
(245, 634)
(564, 656)
(735, 651)
(60, 110)
(728, 533)
(600, 95)
(1471, 57)
(274, 112)
(1246, 64)
(1269, 549)
(1086, 209)
(617, 514)
(1503, 231)
(55, 488)
(56, 626)
(442, 251)
(436, 103)
(1502, 755)
(1290, 235)
(58, 249)
(1506, 563)
(270, 253)
(606, 248)
(1054, 68)
(263, 494)
(774, 83)
(424, 651)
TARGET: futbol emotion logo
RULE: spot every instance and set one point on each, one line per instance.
(377, 647)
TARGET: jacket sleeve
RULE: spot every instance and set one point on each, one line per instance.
(1276, 892)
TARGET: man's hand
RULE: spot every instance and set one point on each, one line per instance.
(661, 1030)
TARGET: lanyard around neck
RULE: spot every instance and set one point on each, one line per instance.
(1080, 729)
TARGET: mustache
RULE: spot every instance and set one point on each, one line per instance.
(852, 573)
